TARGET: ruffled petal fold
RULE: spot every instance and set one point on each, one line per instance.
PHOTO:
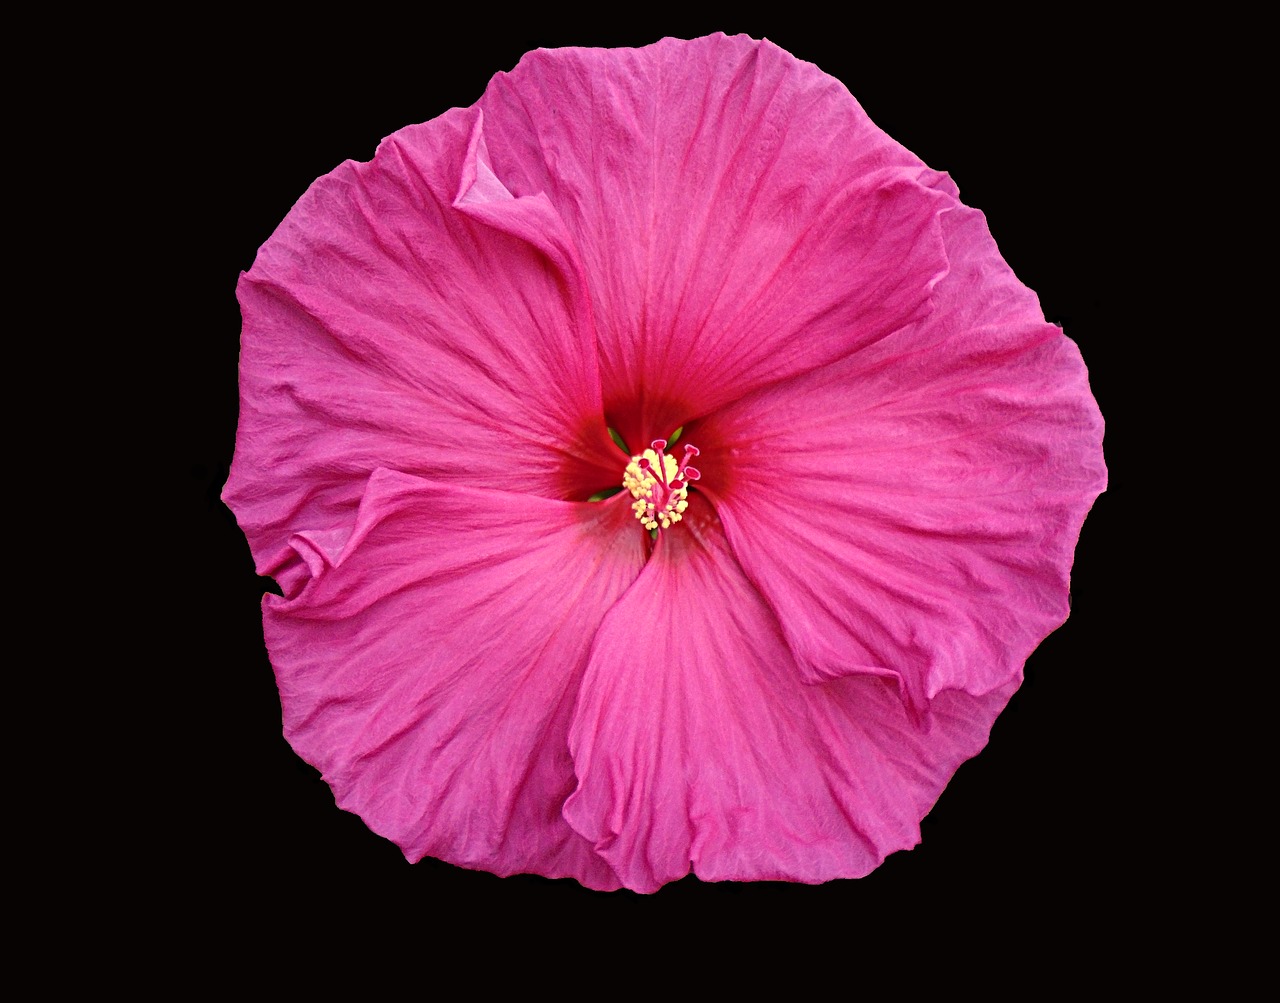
(429, 659)
(739, 216)
(697, 746)
(410, 313)
(912, 512)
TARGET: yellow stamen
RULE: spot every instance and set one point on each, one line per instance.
(657, 503)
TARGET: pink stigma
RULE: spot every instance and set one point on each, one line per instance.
(660, 485)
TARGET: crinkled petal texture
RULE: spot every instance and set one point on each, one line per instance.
(429, 663)
(697, 744)
(912, 511)
(897, 455)
(411, 313)
(741, 219)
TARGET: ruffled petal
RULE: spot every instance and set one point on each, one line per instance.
(913, 511)
(697, 745)
(428, 663)
(739, 217)
(411, 313)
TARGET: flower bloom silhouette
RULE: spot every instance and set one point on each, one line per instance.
(764, 656)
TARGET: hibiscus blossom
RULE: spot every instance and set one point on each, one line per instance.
(757, 643)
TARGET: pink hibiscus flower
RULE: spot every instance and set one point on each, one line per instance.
(763, 664)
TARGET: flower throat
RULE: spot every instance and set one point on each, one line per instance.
(659, 485)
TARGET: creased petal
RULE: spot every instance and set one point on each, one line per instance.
(913, 511)
(739, 216)
(409, 314)
(532, 219)
(428, 666)
(697, 745)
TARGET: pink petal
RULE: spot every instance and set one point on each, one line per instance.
(411, 313)
(739, 217)
(912, 512)
(428, 665)
(697, 745)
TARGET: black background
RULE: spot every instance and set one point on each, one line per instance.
(1045, 821)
